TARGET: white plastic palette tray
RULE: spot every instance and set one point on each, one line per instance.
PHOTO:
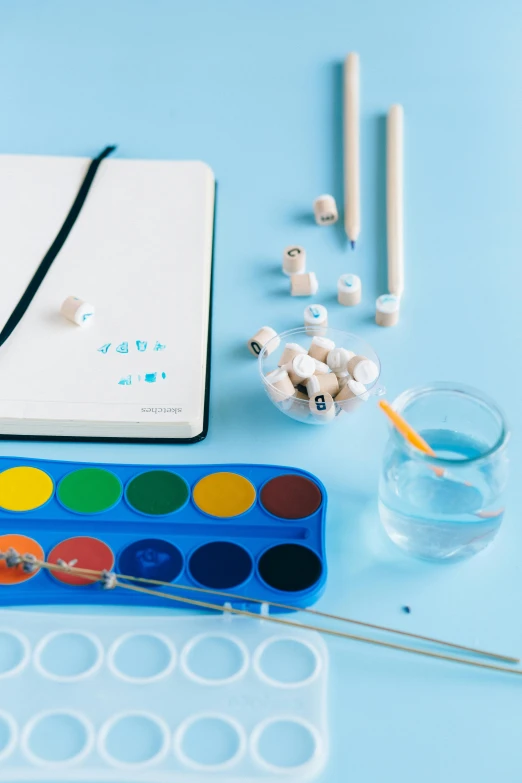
(162, 699)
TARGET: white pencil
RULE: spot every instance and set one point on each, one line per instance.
(352, 186)
(394, 199)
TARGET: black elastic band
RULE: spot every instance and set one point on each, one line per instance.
(27, 297)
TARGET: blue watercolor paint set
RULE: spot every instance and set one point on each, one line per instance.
(254, 530)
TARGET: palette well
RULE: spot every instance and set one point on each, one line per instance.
(161, 697)
(256, 530)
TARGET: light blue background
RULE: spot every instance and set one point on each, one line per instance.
(254, 89)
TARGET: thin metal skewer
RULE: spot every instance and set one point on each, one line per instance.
(316, 612)
(95, 576)
(329, 632)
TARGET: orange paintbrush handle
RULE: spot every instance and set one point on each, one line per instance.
(407, 432)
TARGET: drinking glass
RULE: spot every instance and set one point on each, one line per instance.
(450, 506)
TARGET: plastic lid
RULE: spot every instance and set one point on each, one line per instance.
(276, 375)
(357, 388)
(315, 314)
(366, 371)
(303, 365)
(338, 358)
(295, 347)
(388, 303)
(349, 283)
(323, 342)
(321, 368)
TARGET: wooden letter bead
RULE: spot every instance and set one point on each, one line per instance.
(349, 290)
(315, 319)
(387, 310)
(300, 368)
(304, 284)
(77, 311)
(325, 210)
(265, 335)
(281, 387)
(320, 348)
(322, 406)
(323, 383)
(294, 260)
(363, 369)
(289, 351)
(351, 395)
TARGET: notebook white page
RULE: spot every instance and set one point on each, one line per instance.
(141, 253)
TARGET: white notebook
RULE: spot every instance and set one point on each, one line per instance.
(141, 253)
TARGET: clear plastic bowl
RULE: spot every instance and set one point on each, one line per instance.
(299, 409)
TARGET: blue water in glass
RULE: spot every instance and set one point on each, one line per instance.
(440, 517)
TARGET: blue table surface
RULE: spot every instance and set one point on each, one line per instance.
(254, 89)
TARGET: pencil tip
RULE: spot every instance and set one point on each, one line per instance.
(352, 243)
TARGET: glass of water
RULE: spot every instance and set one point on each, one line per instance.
(450, 506)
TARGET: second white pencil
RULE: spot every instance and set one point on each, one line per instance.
(352, 188)
(395, 198)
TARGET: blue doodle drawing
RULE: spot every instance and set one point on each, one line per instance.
(86, 315)
(123, 347)
(149, 377)
(315, 312)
